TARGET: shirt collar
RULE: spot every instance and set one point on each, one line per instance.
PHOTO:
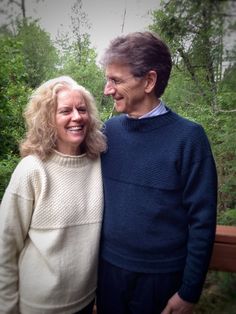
(156, 111)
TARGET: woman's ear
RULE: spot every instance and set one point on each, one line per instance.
(151, 78)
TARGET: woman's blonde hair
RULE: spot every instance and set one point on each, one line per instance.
(40, 113)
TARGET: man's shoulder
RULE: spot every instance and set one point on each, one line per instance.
(115, 120)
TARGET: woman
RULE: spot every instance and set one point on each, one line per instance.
(51, 212)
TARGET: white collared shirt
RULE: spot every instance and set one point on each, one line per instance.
(158, 110)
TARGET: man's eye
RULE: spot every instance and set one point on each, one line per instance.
(113, 81)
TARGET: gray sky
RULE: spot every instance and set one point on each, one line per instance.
(104, 16)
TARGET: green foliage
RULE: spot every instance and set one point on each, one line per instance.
(194, 30)
(219, 294)
(40, 55)
(7, 166)
(227, 218)
(225, 152)
(79, 61)
(227, 93)
(107, 111)
(13, 94)
(13, 97)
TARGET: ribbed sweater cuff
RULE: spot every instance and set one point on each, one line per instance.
(190, 294)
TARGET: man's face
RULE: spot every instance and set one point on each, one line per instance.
(127, 90)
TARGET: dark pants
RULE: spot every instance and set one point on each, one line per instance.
(124, 292)
(87, 310)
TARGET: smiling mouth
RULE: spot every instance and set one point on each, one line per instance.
(117, 99)
(75, 128)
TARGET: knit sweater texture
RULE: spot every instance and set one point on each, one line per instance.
(50, 221)
(160, 188)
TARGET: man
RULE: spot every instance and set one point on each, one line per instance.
(160, 188)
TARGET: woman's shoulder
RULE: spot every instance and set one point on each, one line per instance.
(27, 167)
(27, 172)
(30, 162)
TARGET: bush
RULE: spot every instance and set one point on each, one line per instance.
(219, 294)
(6, 168)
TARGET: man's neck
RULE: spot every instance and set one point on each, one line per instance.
(146, 108)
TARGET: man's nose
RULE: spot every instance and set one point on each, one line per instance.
(109, 89)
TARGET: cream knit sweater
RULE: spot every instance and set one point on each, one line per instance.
(50, 220)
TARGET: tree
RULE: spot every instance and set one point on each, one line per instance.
(40, 55)
(15, 9)
(13, 94)
(13, 97)
(78, 58)
(195, 31)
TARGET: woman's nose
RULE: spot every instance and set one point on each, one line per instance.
(76, 115)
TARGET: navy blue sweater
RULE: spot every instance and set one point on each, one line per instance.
(160, 188)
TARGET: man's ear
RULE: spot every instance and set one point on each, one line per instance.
(151, 78)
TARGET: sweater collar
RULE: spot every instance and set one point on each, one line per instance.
(68, 160)
(150, 123)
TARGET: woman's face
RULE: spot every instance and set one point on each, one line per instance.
(72, 121)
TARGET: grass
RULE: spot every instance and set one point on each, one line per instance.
(219, 294)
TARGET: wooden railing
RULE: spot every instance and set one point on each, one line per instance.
(224, 252)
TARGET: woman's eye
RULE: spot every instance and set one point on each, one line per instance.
(68, 111)
(64, 111)
(82, 110)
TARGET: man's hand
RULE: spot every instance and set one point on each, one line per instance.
(176, 305)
